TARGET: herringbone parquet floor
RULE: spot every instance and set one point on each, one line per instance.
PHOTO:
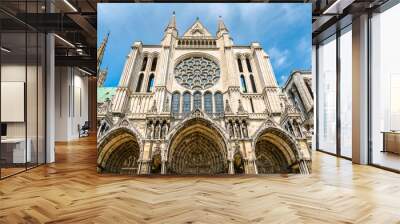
(70, 191)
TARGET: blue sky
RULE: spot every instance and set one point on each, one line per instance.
(284, 30)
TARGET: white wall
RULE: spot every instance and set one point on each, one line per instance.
(16, 73)
(33, 126)
(71, 102)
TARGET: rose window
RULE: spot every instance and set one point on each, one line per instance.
(197, 73)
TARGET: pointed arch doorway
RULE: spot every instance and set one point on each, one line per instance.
(197, 148)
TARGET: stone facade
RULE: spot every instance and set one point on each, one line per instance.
(198, 104)
(298, 90)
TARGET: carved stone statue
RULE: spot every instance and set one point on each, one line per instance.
(149, 130)
(230, 129)
(163, 130)
(237, 129)
(157, 131)
(244, 130)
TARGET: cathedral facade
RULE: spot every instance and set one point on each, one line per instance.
(198, 104)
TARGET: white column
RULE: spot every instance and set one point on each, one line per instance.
(50, 95)
(231, 169)
(360, 90)
(163, 168)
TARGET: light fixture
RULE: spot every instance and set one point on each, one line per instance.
(5, 50)
(337, 7)
(70, 5)
(84, 71)
(64, 40)
(79, 51)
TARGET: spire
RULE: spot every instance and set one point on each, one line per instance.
(101, 50)
(170, 32)
(101, 78)
(221, 25)
(172, 22)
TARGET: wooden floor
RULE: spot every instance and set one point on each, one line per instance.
(387, 159)
(70, 191)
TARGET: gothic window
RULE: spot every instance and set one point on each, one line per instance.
(219, 103)
(240, 65)
(139, 83)
(186, 102)
(150, 84)
(144, 63)
(248, 64)
(253, 84)
(251, 104)
(175, 102)
(298, 99)
(197, 73)
(208, 107)
(154, 64)
(291, 129)
(308, 85)
(243, 83)
(197, 100)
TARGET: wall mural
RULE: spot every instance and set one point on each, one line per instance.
(197, 104)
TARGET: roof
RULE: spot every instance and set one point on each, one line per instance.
(105, 92)
(301, 72)
(197, 29)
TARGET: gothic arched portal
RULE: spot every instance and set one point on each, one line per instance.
(275, 152)
(118, 152)
(197, 148)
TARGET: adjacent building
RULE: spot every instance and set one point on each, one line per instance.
(298, 90)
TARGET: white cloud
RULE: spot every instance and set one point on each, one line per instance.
(278, 57)
(257, 18)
